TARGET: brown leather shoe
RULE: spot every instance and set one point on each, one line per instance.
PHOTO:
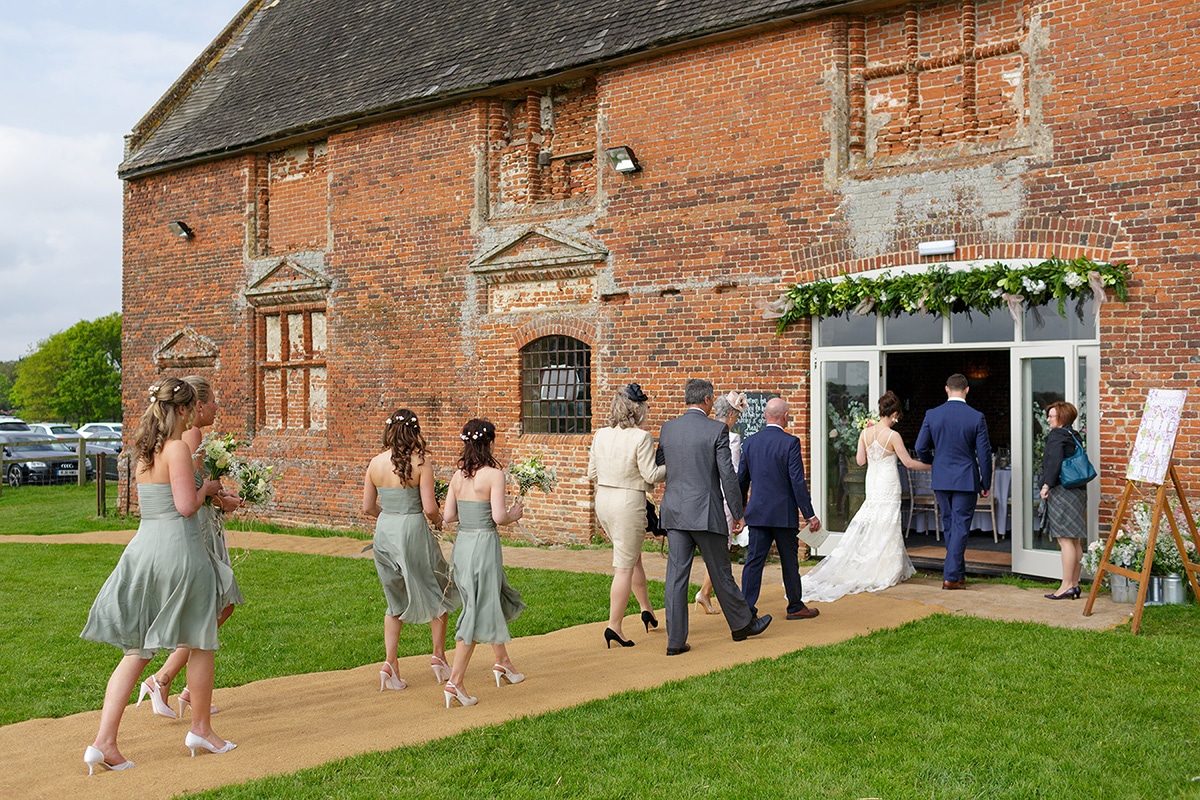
(804, 613)
(954, 584)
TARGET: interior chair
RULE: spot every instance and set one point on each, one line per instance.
(922, 498)
(988, 504)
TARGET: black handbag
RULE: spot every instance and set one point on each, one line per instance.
(652, 523)
(1076, 470)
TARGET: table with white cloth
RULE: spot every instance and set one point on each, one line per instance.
(923, 521)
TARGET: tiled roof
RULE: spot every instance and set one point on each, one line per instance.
(284, 67)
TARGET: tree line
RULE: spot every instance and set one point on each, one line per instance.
(73, 376)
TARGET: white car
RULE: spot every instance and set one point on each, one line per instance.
(13, 424)
(107, 432)
(59, 430)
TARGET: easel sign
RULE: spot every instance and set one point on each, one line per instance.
(1150, 463)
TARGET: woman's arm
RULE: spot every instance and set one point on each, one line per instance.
(429, 496)
(451, 512)
(861, 456)
(592, 473)
(187, 497)
(905, 458)
(1053, 454)
(370, 495)
(651, 473)
(501, 515)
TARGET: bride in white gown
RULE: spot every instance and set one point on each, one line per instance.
(871, 554)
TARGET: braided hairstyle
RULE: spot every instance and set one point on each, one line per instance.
(170, 400)
(478, 436)
(402, 435)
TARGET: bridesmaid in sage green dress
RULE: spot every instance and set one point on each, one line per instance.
(212, 528)
(163, 592)
(398, 488)
(476, 501)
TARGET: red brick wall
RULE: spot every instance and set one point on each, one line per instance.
(764, 164)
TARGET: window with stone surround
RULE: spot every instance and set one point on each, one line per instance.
(542, 148)
(942, 79)
(290, 358)
(556, 386)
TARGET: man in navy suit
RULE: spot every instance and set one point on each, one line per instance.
(954, 439)
(772, 465)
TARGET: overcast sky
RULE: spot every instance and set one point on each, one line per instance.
(78, 74)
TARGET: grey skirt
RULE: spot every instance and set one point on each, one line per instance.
(1066, 513)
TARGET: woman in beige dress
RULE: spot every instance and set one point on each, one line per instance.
(622, 466)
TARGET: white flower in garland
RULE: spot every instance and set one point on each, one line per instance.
(1073, 279)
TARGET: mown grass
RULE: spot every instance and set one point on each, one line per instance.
(305, 614)
(947, 707)
(36, 510)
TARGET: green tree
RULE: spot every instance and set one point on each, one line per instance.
(74, 375)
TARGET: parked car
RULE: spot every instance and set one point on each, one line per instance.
(107, 431)
(59, 430)
(56, 463)
(13, 424)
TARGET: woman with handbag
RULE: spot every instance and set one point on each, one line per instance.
(1066, 507)
(621, 463)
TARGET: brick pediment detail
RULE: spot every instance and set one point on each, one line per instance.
(186, 348)
(288, 282)
(539, 254)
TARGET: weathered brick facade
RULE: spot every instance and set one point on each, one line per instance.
(434, 245)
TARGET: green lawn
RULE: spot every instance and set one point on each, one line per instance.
(46, 670)
(68, 508)
(947, 707)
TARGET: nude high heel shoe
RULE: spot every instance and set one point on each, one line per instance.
(194, 743)
(441, 670)
(501, 671)
(703, 604)
(452, 692)
(152, 687)
(187, 701)
(93, 758)
(388, 679)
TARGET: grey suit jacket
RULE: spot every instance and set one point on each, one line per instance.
(695, 450)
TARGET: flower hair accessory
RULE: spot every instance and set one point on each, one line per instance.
(737, 401)
(410, 421)
(634, 392)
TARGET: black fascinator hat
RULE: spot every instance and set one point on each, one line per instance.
(634, 392)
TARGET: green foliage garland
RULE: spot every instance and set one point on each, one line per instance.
(940, 291)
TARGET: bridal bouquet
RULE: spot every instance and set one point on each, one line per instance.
(441, 488)
(218, 454)
(532, 473)
(256, 482)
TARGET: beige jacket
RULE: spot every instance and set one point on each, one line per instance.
(624, 458)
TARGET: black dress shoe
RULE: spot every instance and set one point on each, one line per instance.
(675, 651)
(804, 613)
(756, 626)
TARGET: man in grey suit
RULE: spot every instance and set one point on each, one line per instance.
(695, 450)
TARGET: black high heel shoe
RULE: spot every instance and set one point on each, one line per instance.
(1070, 594)
(649, 620)
(611, 636)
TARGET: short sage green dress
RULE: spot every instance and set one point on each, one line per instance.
(476, 567)
(212, 526)
(163, 591)
(414, 574)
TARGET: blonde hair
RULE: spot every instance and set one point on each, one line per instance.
(626, 413)
(170, 401)
(201, 386)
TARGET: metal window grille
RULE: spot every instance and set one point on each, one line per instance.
(556, 386)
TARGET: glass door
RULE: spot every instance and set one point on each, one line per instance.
(845, 392)
(1043, 375)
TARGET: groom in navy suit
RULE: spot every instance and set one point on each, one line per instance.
(771, 463)
(954, 439)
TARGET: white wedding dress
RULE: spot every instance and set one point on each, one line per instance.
(871, 554)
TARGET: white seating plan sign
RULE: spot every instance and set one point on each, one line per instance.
(1156, 436)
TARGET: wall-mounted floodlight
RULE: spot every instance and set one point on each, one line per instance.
(180, 229)
(622, 159)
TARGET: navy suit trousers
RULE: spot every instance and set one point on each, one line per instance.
(788, 542)
(957, 509)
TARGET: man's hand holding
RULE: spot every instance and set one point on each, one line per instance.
(738, 524)
(814, 524)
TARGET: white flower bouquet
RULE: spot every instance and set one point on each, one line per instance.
(532, 473)
(218, 454)
(256, 482)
